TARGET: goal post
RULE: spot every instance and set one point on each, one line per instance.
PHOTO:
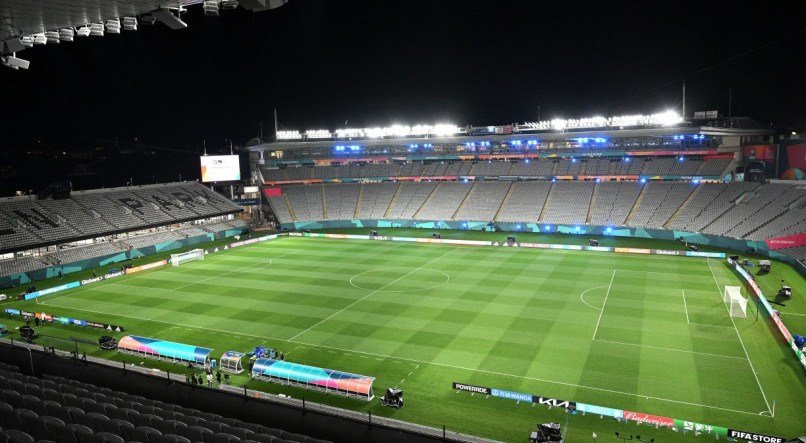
(737, 305)
(188, 256)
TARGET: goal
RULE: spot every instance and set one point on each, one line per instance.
(737, 305)
(183, 257)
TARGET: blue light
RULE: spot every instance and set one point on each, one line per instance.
(464, 224)
(643, 180)
(531, 142)
(339, 148)
(626, 159)
(466, 180)
(681, 158)
(519, 227)
(582, 140)
(516, 142)
(608, 230)
(573, 160)
(598, 180)
(601, 140)
(577, 229)
(553, 180)
(527, 160)
(547, 228)
(695, 181)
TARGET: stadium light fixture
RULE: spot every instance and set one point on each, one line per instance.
(27, 41)
(52, 37)
(317, 134)
(229, 4)
(129, 23)
(113, 26)
(66, 34)
(97, 29)
(40, 39)
(83, 31)
(211, 7)
(15, 63)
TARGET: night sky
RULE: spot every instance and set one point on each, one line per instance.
(324, 64)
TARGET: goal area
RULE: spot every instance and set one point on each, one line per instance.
(737, 305)
(188, 256)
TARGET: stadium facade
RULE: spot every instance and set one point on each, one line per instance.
(654, 176)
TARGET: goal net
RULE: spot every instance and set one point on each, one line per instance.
(184, 257)
(737, 305)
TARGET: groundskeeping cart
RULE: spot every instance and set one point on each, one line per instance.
(231, 362)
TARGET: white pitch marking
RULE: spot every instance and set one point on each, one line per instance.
(585, 292)
(668, 349)
(419, 362)
(752, 369)
(371, 293)
(601, 311)
(685, 306)
(447, 279)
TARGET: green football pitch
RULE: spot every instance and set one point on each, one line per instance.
(633, 332)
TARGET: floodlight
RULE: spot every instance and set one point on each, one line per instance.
(97, 29)
(52, 36)
(129, 23)
(40, 39)
(113, 26)
(211, 7)
(27, 41)
(15, 63)
(66, 34)
(83, 31)
(229, 4)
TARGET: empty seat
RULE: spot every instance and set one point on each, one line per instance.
(145, 434)
(173, 438)
(106, 437)
(17, 436)
(61, 433)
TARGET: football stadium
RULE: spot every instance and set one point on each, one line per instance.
(605, 278)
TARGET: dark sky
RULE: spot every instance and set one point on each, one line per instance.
(322, 63)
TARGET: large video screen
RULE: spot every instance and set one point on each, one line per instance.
(220, 168)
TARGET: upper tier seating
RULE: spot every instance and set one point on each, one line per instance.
(67, 411)
(537, 167)
(27, 222)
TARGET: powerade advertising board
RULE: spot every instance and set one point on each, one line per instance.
(220, 168)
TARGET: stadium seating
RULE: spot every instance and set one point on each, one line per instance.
(26, 222)
(568, 202)
(483, 202)
(375, 199)
(742, 210)
(408, 200)
(444, 201)
(524, 202)
(538, 167)
(57, 409)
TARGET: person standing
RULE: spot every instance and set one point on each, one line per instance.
(210, 379)
(218, 377)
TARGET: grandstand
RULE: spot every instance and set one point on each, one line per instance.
(39, 233)
(713, 208)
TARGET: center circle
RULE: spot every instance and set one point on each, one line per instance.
(399, 279)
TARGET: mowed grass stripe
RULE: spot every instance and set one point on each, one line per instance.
(514, 312)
